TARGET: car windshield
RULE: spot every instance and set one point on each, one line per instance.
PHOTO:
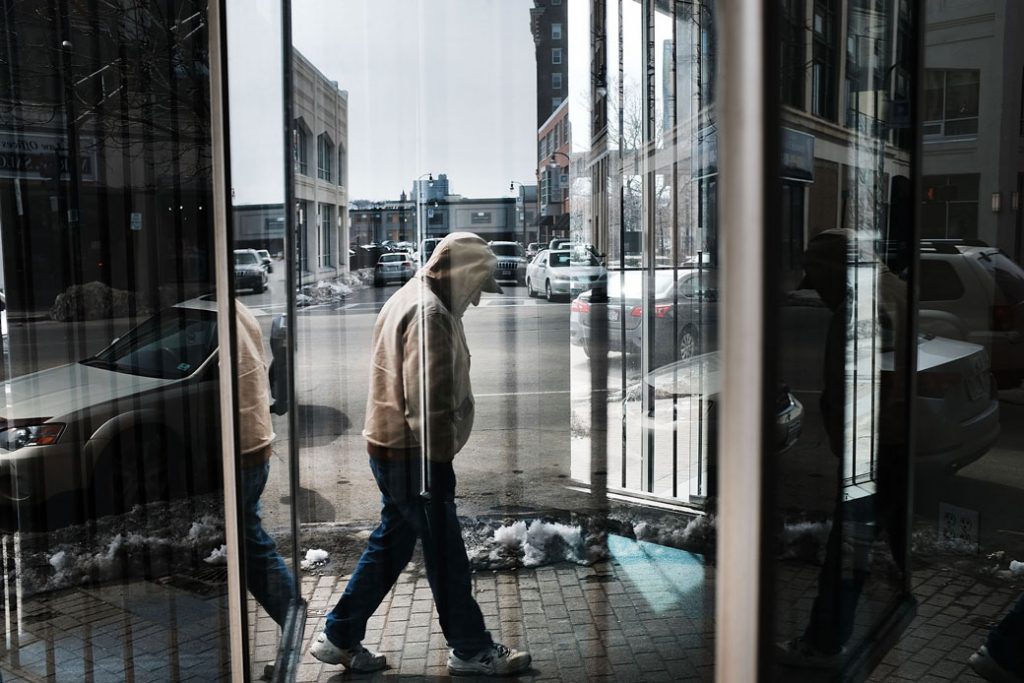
(1008, 275)
(263, 253)
(392, 258)
(246, 258)
(507, 250)
(564, 259)
(170, 345)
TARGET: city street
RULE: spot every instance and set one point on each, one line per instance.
(532, 394)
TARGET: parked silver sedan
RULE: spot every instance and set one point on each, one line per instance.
(563, 272)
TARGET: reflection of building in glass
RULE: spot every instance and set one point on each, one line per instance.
(320, 136)
(549, 25)
(439, 214)
(132, 210)
(845, 80)
(379, 221)
(553, 173)
(973, 123)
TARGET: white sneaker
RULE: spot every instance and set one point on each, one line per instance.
(497, 660)
(357, 659)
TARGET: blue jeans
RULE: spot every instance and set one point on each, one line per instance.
(266, 575)
(404, 517)
(1006, 641)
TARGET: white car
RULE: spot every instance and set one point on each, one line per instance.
(563, 272)
(137, 422)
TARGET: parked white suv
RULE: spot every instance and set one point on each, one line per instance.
(974, 292)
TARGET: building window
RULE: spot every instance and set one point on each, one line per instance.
(793, 54)
(556, 31)
(324, 154)
(480, 218)
(555, 102)
(326, 236)
(950, 206)
(341, 165)
(823, 60)
(556, 55)
(951, 103)
(556, 81)
(300, 141)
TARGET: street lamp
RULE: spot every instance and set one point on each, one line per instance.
(522, 188)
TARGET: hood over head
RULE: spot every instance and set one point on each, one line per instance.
(461, 267)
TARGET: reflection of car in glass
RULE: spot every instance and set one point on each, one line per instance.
(534, 248)
(974, 292)
(137, 422)
(265, 258)
(683, 305)
(684, 414)
(249, 271)
(956, 406)
(511, 262)
(394, 267)
(563, 273)
(427, 247)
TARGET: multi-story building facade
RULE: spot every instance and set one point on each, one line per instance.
(320, 155)
(378, 221)
(549, 26)
(553, 178)
(973, 129)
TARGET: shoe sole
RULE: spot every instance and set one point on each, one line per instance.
(485, 672)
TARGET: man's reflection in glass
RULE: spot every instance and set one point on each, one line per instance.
(835, 262)
(267, 576)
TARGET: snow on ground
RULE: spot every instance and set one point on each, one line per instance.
(157, 538)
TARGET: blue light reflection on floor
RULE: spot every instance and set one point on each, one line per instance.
(668, 578)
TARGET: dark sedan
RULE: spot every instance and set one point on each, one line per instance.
(682, 304)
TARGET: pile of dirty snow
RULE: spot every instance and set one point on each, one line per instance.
(533, 543)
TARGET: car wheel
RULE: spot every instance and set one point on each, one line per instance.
(529, 288)
(259, 288)
(689, 344)
(547, 291)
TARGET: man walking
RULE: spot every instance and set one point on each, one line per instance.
(419, 415)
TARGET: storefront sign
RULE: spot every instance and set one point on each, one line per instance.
(797, 156)
(31, 156)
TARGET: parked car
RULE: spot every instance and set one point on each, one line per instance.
(427, 247)
(137, 422)
(511, 261)
(394, 267)
(559, 243)
(249, 271)
(268, 262)
(563, 272)
(956, 404)
(974, 292)
(534, 248)
(684, 307)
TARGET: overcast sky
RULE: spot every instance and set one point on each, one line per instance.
(435, 86)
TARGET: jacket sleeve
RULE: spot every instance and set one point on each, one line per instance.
(428, 373)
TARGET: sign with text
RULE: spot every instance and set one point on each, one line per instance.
(34, 156)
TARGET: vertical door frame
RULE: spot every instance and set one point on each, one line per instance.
(221, 176)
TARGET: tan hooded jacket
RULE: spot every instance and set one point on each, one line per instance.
(419, 355)
(255, 431)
